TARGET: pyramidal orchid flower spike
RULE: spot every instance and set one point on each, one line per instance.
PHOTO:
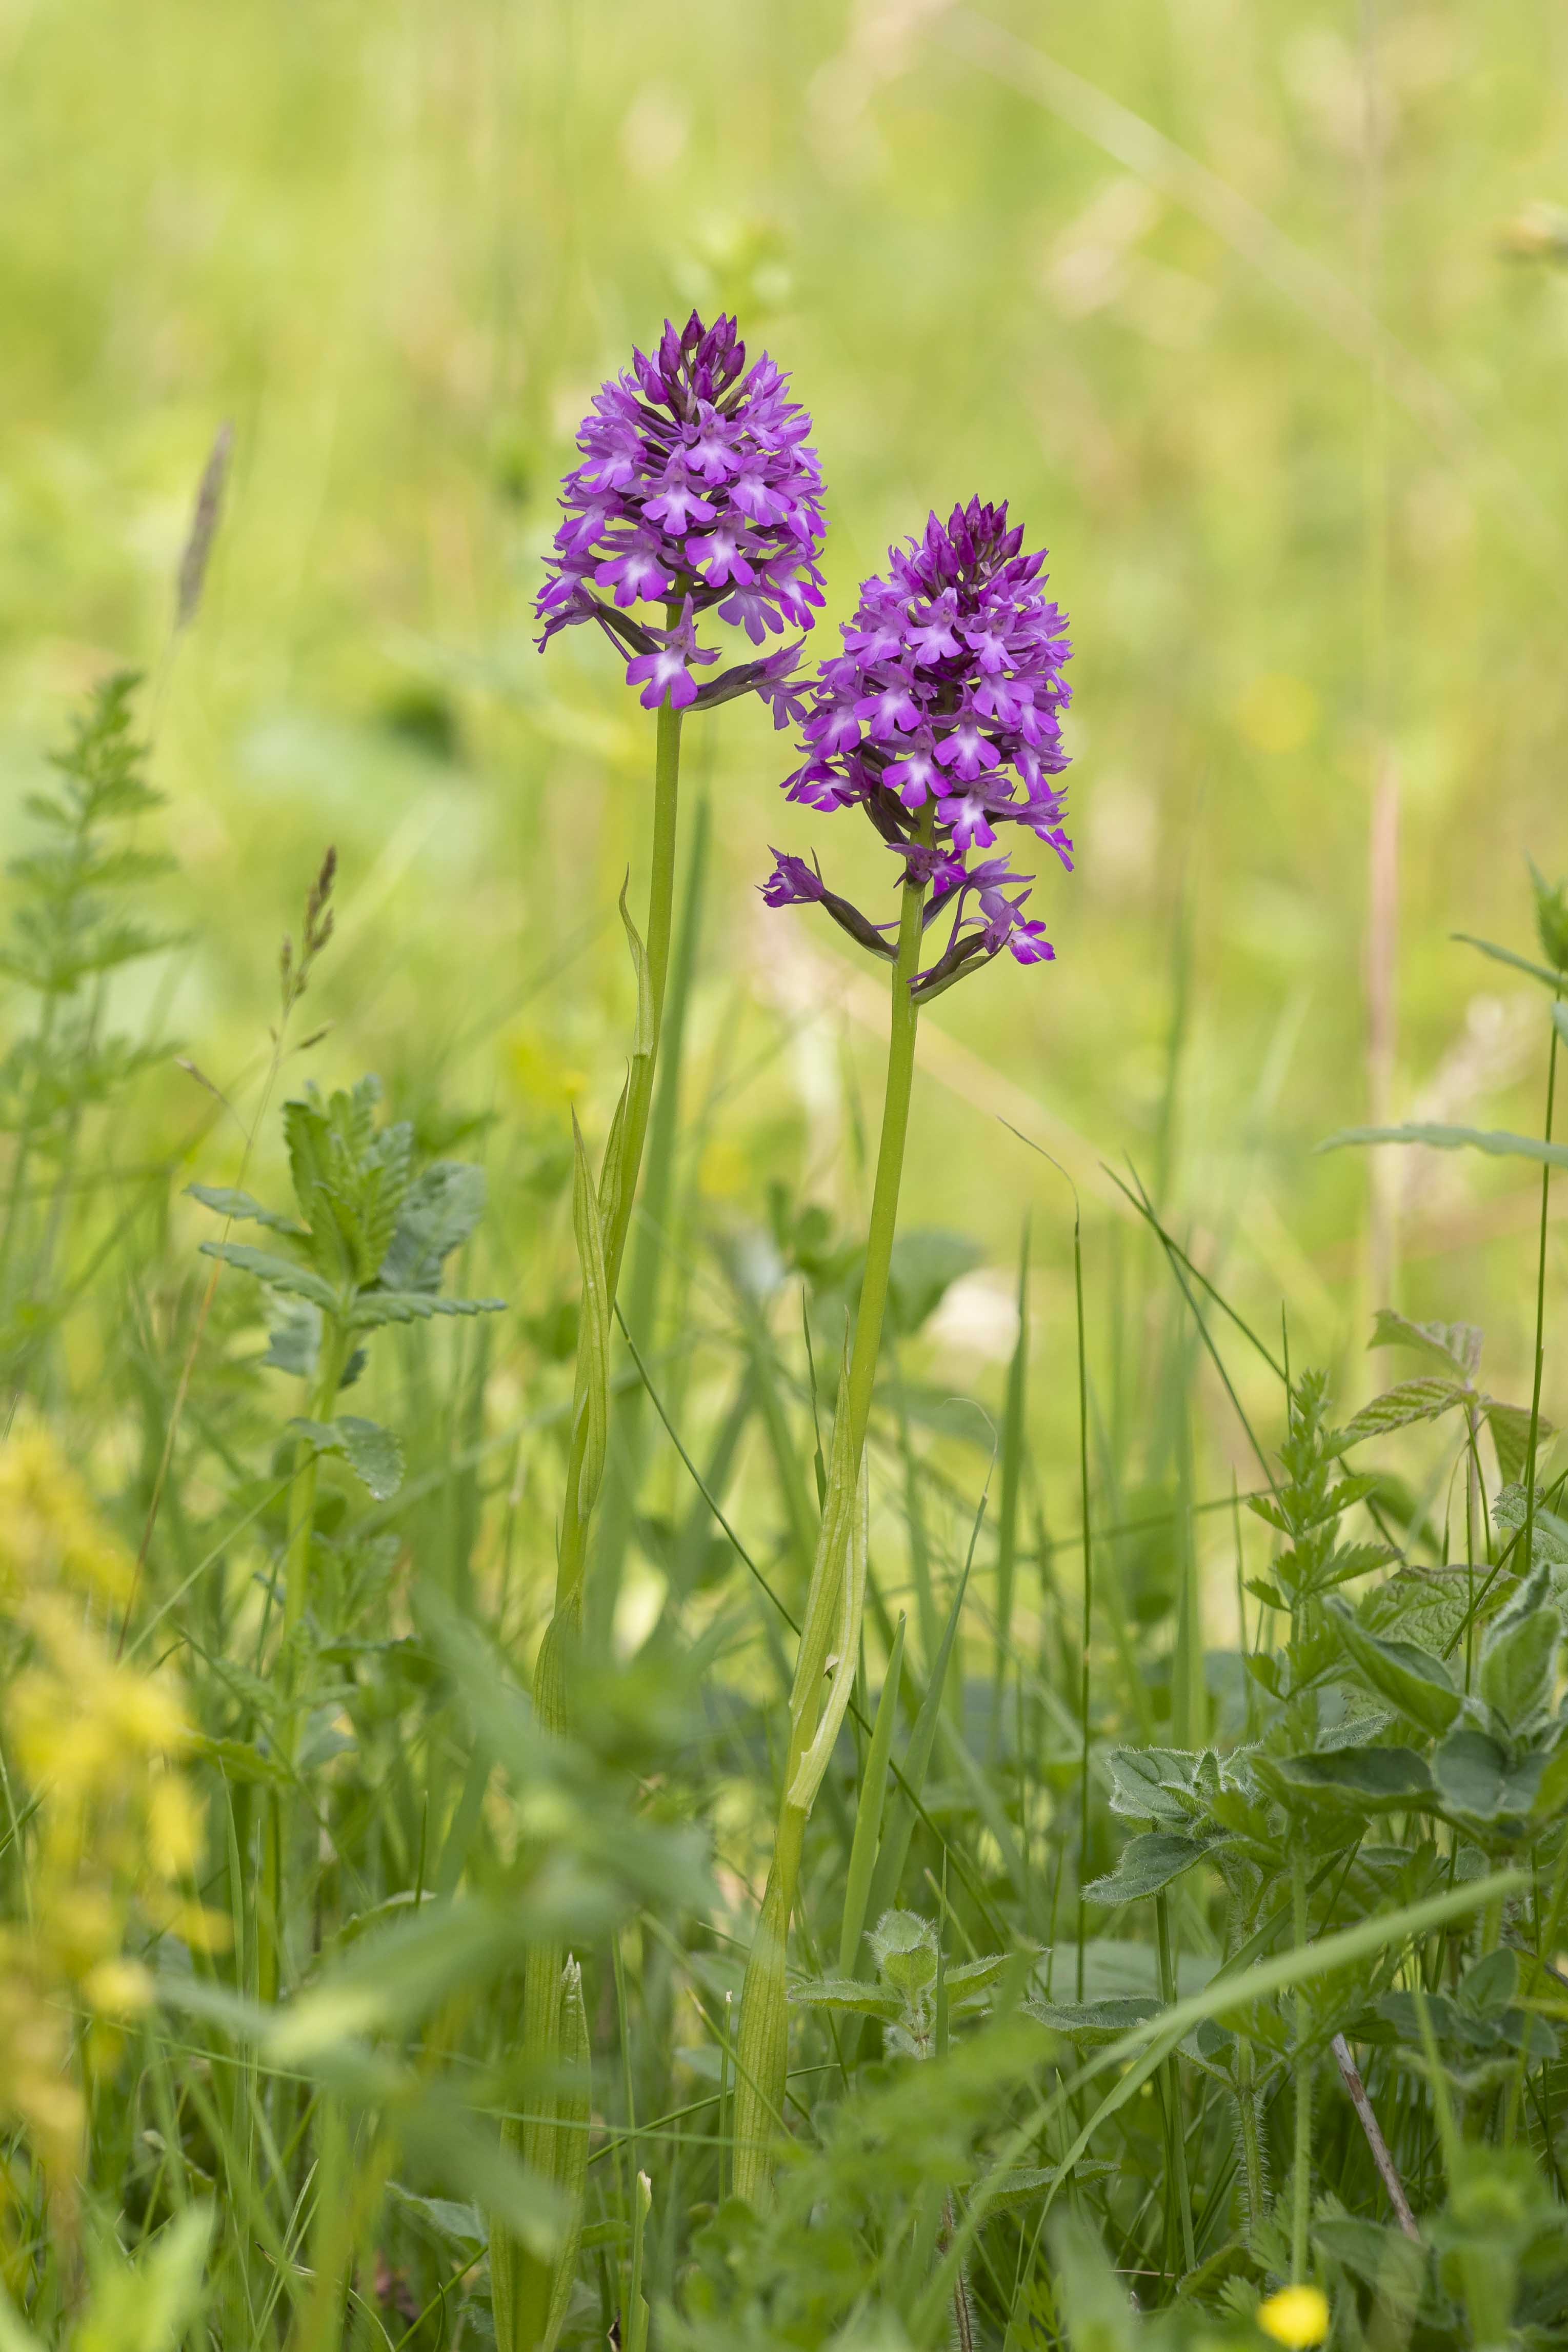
(941, 719)
(696, 492)
(696, 495)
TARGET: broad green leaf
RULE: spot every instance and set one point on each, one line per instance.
(1146, 1864)
(1474, 1778)
(1092, 2022)
(974, 1976)
(1411, 1400)
(1458, 1345)
(1511, 1510)
(462, 2227)
(1426, 1606)
(439, 1211)
(277, 1273)
(1381, 2257)
(1495, 1141)
(1519, 1669)
(905, 1948)
(1489, 1987)
(1509, 1426)
(1364, 1780)
(229, 1201)
(294, 1342)
(846, 1993)
(1412, 1680)
(1148, 1784)
(1028, 2180)
(375, 1455)
(926, 1262)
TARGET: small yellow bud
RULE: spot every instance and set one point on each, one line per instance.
(1297, 2316)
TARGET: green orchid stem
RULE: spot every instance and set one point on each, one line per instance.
(574, 1551)
(1301, 2181)
(761, 2061)
(523, 2282)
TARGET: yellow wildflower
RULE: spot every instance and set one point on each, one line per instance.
(1298, 2316)
(114, 1833)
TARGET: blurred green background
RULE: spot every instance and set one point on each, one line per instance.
(1240, 302)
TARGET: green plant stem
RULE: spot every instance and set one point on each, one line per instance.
(762, 2052)
(1087, 1632)
(1182, 2185)
(617, 1212)
(1246, 2112)
(302, 1526)
(524, 2283)
(1301, 2180)
(1540, 1314)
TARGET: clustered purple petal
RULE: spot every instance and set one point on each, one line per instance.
(697, 491)
(941, 719)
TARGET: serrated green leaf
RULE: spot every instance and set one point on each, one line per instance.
(1426, 1606)
(1458, 1345)
(1511, 1510)
(1412, 1680)
(375, 1455)
(1148, 1784)
(1501, 1144)
(227, 1201)
(294, 1342)
(1426, 1399)
(277, 1273)
(439, 1211)
(374, 1307)
(1509, 1426)
(1146, 1864)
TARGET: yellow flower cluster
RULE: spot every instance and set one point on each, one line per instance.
(110, 1831)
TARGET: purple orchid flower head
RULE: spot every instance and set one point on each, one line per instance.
(941, 719)
(696, 491)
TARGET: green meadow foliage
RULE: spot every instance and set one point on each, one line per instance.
(662, 1682)
(1203, 2018)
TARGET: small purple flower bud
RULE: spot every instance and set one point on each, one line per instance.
(792, 883)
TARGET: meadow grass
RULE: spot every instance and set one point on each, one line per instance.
(1173, 1945)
